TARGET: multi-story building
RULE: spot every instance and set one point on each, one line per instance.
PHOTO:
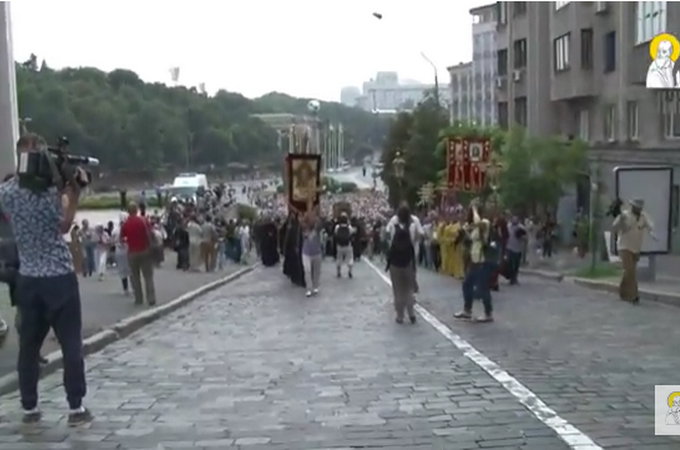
(473, 84)
(387, 93)
(462, 93)
(349, 95)
(579, 69)
(484, 64)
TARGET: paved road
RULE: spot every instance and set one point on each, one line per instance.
(258, 366)
(105, 304)
(593, 359)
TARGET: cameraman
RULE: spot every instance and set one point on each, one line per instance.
(47, 291)
(630, 224)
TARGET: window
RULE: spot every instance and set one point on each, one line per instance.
(632, 121)
(584, 125)
(587, 48)
(672, 125)
(503, 115)
(519, 8)
(560, 5)
(610, 52)
(610, 123)
(502, 12)
(520, 53)
(561, 53)
(650, 20)
(675, 205)
(521, 111)
(502, 62)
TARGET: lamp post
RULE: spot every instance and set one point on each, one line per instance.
(398, 164)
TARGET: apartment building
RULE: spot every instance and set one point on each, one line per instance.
(461, 93)
(579, 69)
(484, 64)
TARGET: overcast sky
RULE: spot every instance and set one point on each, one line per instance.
(307, 48)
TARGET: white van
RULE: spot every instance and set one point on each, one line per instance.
(186, 184)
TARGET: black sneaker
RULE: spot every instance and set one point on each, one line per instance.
(349, 274)
(412, 319)
(79, 417)
(32, 416)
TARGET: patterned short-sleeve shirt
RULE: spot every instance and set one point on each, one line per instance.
(35, 219)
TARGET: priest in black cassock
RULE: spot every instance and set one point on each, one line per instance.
(292, 251)
(268, 244)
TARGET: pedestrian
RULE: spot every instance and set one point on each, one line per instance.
(344, 242)
(121, 257)
(101, 250)
(631, 224)
(195, 236)
(136, 233)
(401, 257)
(417, 234)
(47, 292)
(88, 241)
(312, 251)
(476, 284)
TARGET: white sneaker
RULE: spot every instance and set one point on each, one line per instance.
(4, 328)
(315, 291)
(309, 293)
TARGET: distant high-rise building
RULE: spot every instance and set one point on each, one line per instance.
(386, 93)
(349, 95)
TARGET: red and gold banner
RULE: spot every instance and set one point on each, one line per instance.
(465, 160)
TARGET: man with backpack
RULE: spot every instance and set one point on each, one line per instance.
(403, 232)
(417, 234)
(344, 253)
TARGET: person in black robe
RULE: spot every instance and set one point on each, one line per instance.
(268, 243)
(292, 252)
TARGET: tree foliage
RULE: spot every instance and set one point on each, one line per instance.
(415, 135)
(535, 170)
(133, 125)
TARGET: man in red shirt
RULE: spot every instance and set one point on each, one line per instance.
(136, 233)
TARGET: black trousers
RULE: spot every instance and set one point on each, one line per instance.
(44, 303)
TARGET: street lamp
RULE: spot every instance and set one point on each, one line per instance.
(398, 164)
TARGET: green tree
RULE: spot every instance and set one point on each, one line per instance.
(415, 135)
(131, 125)
(537, 170)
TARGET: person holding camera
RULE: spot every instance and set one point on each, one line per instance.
(630, 224)
(46, 292)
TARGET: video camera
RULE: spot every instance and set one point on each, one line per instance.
(52, 167)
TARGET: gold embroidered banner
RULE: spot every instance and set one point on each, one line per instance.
(303, 173)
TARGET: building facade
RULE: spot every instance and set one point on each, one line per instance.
(462, 93)
(579, 69)
(484, 64)
(349, 95)
(386, 92)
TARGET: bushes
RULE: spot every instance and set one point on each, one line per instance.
(111, 202)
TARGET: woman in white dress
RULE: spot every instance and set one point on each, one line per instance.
(121, 256)
(101, 250)
(195, 236)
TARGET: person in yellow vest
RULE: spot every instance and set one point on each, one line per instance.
(450, 233)
(458, 262)
(443, 247)
(631, 226)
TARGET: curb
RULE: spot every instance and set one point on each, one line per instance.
(123, 328)
(605, 286)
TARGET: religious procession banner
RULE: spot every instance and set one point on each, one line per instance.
(465, 163)
(303, 175)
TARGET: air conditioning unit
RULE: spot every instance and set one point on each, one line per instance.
(517, 75)
(601, 7)
(499, 82)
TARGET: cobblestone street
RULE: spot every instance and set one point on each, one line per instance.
(256, 365)
(590, 357)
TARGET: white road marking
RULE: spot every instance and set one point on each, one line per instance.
(574, 438)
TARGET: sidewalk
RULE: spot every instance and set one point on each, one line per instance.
(665, 289)
(104, 303)
(257, 366)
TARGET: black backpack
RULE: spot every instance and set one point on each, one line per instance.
(343, 235)
(401, 253)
